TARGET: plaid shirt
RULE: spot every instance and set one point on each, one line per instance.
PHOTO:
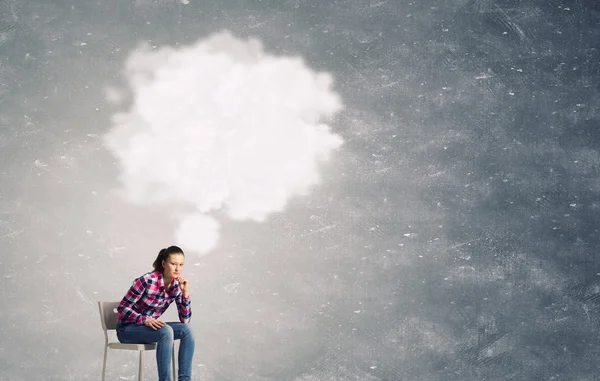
(147, 298)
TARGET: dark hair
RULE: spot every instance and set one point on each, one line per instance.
(163, 255)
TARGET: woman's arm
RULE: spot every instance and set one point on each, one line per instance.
(135, 293)
(184, 307)
(183, 301)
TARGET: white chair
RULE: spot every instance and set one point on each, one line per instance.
(108, 317)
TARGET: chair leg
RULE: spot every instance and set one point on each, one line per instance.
(141, 370)
(104, 362)
(174, 372)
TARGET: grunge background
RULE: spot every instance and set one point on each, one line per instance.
(386, 190)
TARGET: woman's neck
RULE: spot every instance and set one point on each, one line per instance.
(167, 281)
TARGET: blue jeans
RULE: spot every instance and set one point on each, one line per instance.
(163, 337)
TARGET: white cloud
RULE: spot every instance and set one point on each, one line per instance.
(221, 125)
(197, 233)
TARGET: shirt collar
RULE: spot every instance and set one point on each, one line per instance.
(160, 282)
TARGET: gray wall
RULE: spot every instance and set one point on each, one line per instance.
(451, 236)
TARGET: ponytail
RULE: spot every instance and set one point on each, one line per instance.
(163, 255)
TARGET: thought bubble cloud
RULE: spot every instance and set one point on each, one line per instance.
(221, 125)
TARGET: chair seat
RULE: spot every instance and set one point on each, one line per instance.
(133, 347)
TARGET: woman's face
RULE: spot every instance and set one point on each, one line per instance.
(173, 265)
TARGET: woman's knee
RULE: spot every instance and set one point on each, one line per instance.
(165, 332)
(187, 330)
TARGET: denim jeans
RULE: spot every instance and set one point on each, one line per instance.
(163, 337)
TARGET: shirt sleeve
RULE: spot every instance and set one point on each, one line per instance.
(133, 295)
(184, 307)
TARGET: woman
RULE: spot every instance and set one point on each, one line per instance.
(147, 299)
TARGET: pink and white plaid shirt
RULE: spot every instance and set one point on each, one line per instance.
(147, 298)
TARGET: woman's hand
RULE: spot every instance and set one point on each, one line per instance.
(183, 284)
(154, 324)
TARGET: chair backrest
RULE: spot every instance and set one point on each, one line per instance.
(108, 314)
